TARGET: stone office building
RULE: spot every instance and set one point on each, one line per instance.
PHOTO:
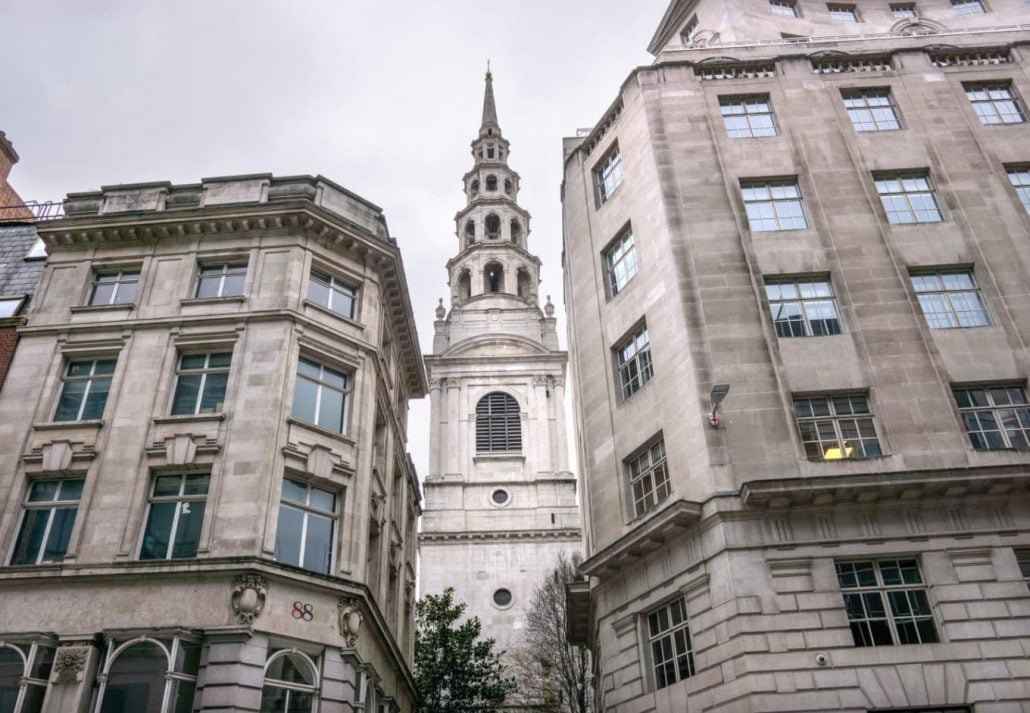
(822, 208)
(500, 498)
(205, 499)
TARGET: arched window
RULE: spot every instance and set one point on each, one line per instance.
(24, 671)
(291, 683)
(470, 231)
(507, 186)
(493, 277)
(474, 187)
(464, 285)
(516, 232)
(490, 151)
(493, 226)
(498, 424)
(523, 283)
(139, 675)
(491, 183)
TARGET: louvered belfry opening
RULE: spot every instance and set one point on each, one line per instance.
(498, 426)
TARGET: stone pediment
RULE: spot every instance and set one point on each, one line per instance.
(496, 345)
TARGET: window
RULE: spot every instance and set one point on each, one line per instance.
(291, 683)
(176, 516)
(114, 288)
(321, 395)
(950, 299)
(491, 183)
(836, 427)
(500, 496)
(24, 671)
(492, 224)
(153, 675)
(47, 521)
(1023, 560)
(608, 175)
(307, 516)
(871, 109)
(843, 14)
(502, 597)
(620, 259)
(747, 117)
(328, 291)
(498, 424)
(886, 602)
(995, 417)
(668, 636)
(688, 31)
(221, 280)
(649, 478)
(995, 103)
(773, 205)
(37, 251)
(10, 306)
(200, 383)
(1020, 178)
(908, 198)
(902, 11)
(968, 7)
(803, 307)
(786, 8)
(633, 361)
(86, 384)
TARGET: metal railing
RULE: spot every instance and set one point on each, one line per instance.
(40, 210)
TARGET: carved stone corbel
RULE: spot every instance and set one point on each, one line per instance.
(248, 597)
(350, 618)
(69, 663)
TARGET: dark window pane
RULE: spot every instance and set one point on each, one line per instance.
(287, 536)
(185, 400)
(30, 538)
(305, 396)
(97, 399)
(158, 531)
(60, 534)
(318, 548)
(214, 393)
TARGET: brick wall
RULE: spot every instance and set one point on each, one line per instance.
(8, 340)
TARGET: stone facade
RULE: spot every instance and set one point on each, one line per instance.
(206, 499)
(737, 537)
(500, 498)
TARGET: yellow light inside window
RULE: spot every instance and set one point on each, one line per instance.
(838, 453)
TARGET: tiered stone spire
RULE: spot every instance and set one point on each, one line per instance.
(492, 229)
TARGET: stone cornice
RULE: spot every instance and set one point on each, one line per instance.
(499, 535)
(647, 536)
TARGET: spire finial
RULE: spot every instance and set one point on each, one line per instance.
(490, 125)
(488, 75)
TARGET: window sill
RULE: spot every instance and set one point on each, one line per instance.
(333, 313)
(190, 417)
(493, 457)
(67, 425)
(213, 300)
(126, 307)
(324, 431)
(858, 459)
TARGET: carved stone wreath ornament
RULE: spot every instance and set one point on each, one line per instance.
(350, 619)
(248, 597)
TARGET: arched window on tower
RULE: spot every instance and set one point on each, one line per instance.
(474, 187)
(498, 424)
(491, 182)
(523, 283)
(507, 186)
(492, 224)
(490, 151)
(464, 285)
(516, 233)
(470, 231)
(493, 277)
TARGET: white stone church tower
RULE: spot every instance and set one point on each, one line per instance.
(500, 499)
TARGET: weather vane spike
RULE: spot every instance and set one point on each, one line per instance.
(488, 67)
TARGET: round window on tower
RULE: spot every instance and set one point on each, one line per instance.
(502, 598)
(500, 497)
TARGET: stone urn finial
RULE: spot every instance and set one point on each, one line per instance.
(549, 308)
(441, 311)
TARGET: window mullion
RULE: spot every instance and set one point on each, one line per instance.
(174, 529)
(46, 533)
(200, 390)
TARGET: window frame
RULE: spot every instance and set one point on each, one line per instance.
(627, 259)
(803, 302)
(770, 185)
(30, 653)
(510, 418)
(18, 302)
(179, 499)
(886, 604)
(668, 634)
(689, 31)
(37, 251)
(835, 9)
(636, 371)
(203, 372)
(172, 677)
(790, 8)
(947, 293)
(52, 506)
(307, 511)
(1021, 412)
(1023, 563)
(606, 169)
(864, 94)
(904, 10)
(314, 689)
(958, 5)
(347, 392)
(995, 85)
(336, 288)
(123, 276)
(654, 476)
(66, 378)
(887, 196)
(1022, 189)
(744, 101)
(225, 269)
(841, 451)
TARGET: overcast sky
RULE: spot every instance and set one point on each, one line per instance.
(381, 97)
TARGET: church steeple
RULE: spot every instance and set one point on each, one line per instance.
(493, 258)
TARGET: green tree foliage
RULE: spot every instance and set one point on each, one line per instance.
(455, 670)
